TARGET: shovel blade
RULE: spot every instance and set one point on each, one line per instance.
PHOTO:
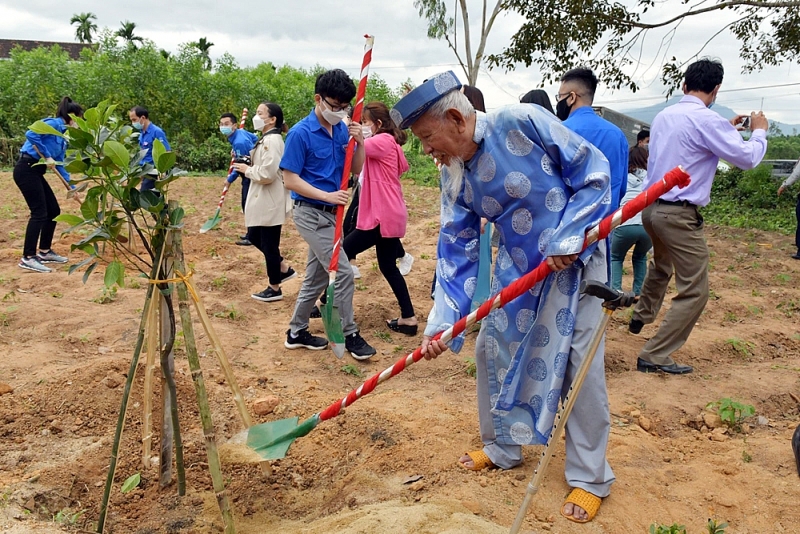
(333, 323)
(269, 439)
(211, 223)
(272, 440)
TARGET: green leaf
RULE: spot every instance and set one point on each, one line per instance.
(118, 153)
(42, 128)
(68, 218)
(88, 272)
(92, 117)
(89, 207)
(115, 274)
(130, 483)
(165, 161)
(76, 166)
(176, 217)
(84, 263)
(158, 150)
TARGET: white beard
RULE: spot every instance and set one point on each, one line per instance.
(455, 179)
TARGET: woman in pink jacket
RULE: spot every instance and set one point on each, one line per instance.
(382, 213)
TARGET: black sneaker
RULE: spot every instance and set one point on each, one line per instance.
(268, 295)
(304, 340)
(796, 256)
(635, 326)
(288, 275)
(357, 347)
(244, 242)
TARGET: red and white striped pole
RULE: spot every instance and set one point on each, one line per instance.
(348, 161)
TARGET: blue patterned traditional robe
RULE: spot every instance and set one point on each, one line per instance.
(543, 186)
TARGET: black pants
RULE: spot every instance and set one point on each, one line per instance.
(797, 232)
(245, 189)
(386, 249)
(42, 203)
(267, 239)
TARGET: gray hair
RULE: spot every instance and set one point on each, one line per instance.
(452, 100)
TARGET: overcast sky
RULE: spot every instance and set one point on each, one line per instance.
(303, 33)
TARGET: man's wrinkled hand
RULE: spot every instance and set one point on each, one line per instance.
(559, 263)
(432, 348)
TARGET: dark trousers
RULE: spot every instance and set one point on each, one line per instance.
(267, 239)
(797, 232)
(245, 189)
(41, 201)
(386, 248)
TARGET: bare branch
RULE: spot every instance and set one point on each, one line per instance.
(724, 5)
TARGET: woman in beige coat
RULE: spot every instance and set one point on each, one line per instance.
(268, 201)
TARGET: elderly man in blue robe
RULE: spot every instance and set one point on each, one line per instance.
(542, 186)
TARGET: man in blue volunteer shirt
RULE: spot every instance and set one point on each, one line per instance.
(312, 164)
(242, 143)
(148, 133)
(574, 107)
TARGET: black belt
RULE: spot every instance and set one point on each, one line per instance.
(27, 157)
(320, 207)
(682, 203)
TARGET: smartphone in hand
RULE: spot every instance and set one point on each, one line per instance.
(746, 123)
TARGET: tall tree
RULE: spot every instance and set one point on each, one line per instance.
(126, 32)
(443, 26)
(85, 28)
(609, 36)
(203, 45)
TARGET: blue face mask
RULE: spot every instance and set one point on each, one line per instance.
(137, 125)
(225, 130)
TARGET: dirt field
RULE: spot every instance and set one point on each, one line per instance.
(65, 355)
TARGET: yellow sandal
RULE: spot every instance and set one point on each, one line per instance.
(588, 501)
(479, 460)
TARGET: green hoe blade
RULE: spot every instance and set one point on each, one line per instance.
(272, 440)
(212, 222)
(333, 323)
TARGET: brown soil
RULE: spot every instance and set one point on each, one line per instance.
(66, 356)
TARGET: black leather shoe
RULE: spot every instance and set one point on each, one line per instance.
(796, 256)
(673, 368)
(635, 326)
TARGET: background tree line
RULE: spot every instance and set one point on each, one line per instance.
(183, 92)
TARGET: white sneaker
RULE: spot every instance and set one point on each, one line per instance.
(33, 264)
(405, 263)
(356, 272)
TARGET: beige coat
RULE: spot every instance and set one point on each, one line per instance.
(268, 201)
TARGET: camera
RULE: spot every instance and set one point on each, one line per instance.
(243, 159)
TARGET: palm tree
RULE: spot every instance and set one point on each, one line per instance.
(126, 32)
(203, 45)
(85, 29)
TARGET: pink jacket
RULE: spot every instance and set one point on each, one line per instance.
(381, 201)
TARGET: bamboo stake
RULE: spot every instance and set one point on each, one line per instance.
(170, 423)
(150, 365)
(216, 344)
(124, 407)
(214, 464)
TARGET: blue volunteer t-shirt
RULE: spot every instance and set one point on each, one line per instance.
(242, 142)
(315, 156)
(146, 139)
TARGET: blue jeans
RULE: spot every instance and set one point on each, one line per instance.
(623, 238)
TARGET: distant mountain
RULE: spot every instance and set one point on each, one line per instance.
(648, 113)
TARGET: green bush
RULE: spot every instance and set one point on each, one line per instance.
(749, 199)
(213, 154)
(183, 96)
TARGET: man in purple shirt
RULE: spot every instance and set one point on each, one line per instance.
(691, 135)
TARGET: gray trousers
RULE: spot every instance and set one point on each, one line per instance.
(588, 425)
(317, 228)
(678, 243)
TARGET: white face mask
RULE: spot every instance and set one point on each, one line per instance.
(333, 117)
(258, 123)
(367, 131)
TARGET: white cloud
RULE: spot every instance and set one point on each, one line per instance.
(303, 33)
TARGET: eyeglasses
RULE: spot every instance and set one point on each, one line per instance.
(342, 107)
(565, 95)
